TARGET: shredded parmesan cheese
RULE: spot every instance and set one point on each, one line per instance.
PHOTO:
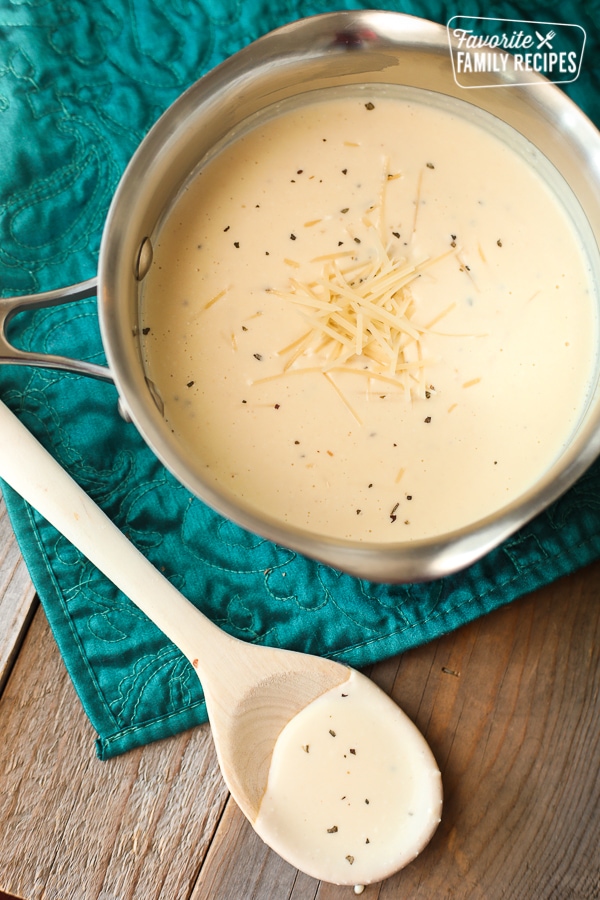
(341, 396)
(215, 298)
(361, 316)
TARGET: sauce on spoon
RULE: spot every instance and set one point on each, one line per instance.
(354, 792)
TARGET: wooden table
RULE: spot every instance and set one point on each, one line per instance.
(509, 704)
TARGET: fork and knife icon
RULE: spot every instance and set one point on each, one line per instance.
(545, 41)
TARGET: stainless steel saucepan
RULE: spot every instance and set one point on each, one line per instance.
(320, 52)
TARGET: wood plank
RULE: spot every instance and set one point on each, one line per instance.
(239, 864)
(75, 828)
(17, 596)
(516, 731)
(510, 705)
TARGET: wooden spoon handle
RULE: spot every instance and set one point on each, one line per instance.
(34, 474)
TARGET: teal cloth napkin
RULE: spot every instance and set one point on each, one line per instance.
(81, 82)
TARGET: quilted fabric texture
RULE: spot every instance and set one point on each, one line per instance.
(81, 82)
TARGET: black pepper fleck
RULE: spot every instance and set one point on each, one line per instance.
(369, 105)
(258, 356)
(427, 419)
(145, 331)
(236, 244)
(331, 732)
(332, 830)
(292, 237)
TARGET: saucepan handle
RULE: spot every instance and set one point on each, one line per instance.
(10, 306)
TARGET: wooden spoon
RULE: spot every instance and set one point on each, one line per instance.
(251, 691)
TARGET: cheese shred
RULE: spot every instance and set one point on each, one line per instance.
(360, 314)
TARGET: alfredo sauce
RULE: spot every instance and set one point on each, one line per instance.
(372, 315)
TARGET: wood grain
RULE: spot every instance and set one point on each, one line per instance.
(517, 735)
(72, 827)
(17, 596)
(510, 705)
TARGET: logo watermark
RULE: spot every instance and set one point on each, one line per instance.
(483, 49)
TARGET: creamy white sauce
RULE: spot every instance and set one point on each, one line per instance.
(500, 376)
(354, 793)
